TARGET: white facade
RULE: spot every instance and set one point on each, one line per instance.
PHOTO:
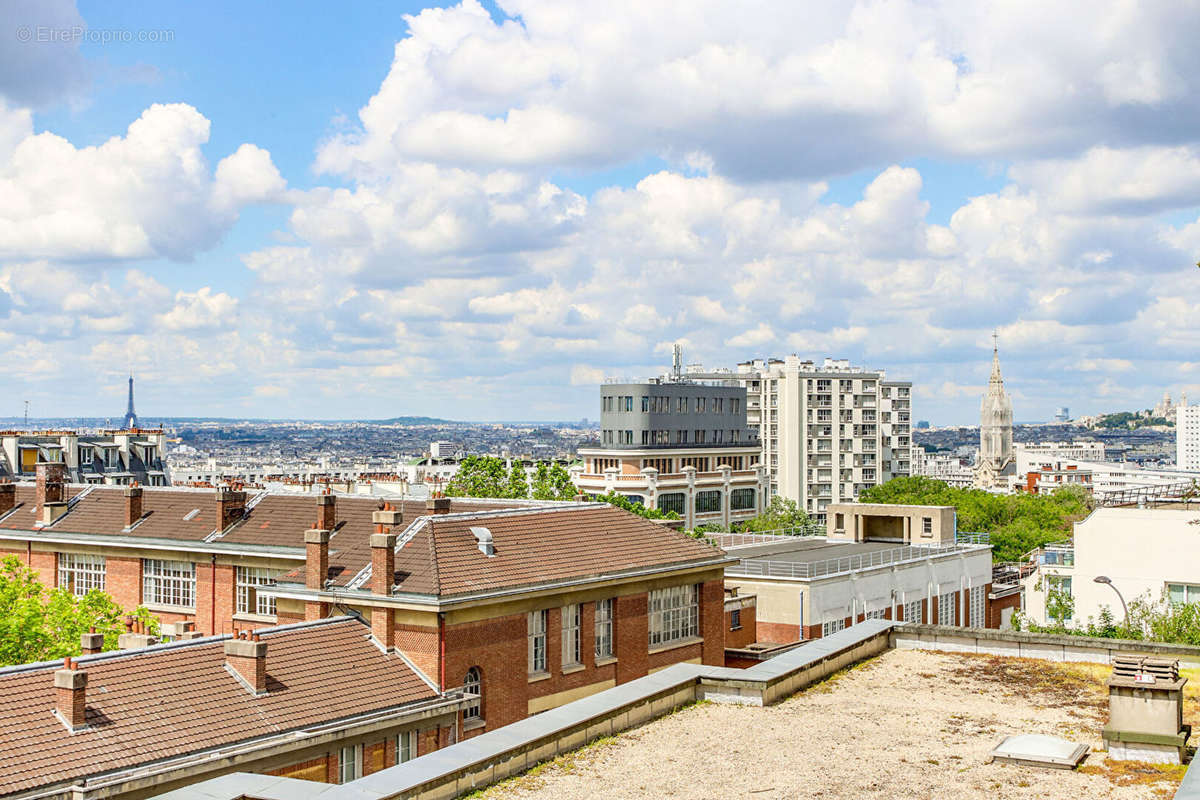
(1146, 552)
(1044, 452)
(107, 457)
(947, 468)
(827, 431)
(702, 485)
(1187, 437)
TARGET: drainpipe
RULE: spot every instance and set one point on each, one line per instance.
(442, 651)
(212, 604)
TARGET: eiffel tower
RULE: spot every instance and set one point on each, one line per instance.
(131, 421)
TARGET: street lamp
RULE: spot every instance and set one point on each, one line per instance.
(1108, 582)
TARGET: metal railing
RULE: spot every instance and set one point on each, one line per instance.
(1059, 554)
(1144, 494)
(727, 540)
(967, 537)
(836, 566)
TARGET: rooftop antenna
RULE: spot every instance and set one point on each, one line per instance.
(677, 362)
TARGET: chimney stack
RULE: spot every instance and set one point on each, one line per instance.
(383, 563)
(387, 518)
(316, 558)
(231, 507)
(437, 505)
(135, 636)
(92, 642)
(70, 694)
(8, 497)
(133, 505)
(49, 496)
(326, 512)
(247, 658)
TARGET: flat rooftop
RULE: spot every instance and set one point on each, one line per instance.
(807, 549)
(907, 723)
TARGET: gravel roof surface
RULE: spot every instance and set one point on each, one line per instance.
(907, 724)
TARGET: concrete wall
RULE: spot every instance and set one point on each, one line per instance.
(1047, 646)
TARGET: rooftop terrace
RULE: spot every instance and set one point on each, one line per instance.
(907, 723)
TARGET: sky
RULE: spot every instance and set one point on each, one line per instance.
(479, 211)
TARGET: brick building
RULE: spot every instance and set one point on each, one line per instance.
(317, 701)
(585, 595)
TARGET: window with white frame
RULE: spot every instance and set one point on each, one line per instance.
(976, 607)
(169, 583)
(350, 764)
(79, 574)
(473, 684)
(913, 612)
(833, 626)
(406, 746)
(604, 628)
(249, 601)
(571, 650)
(1183, 593)
(674, 614)
(877, 614)
(946, 609)
(537, 641)
(927, 526)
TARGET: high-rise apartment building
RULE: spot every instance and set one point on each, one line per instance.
(828, 431)
(1187, 436)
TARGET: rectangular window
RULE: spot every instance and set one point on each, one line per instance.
(169, 583)
(1180, 593)
(877, 614)
(571, 654)
(671, 501)
(645, 404)
(946, 609)
(674, 614)
(709, 501)
(79, 574)
(927, 526)
(833, 627)
(976, 603)
(406, 746)
(604, 628)
(700, 403)
(248, 599)
(1060, 584)
(913, 612)
(735, 619)
(350, 764)
(537, 641)
(741, 499)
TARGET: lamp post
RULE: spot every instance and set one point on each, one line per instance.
(1108, 582)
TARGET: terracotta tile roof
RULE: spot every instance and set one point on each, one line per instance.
(173, 700)
(532, 546)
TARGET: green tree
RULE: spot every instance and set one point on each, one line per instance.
(479, 476)
(625, 503)
(552, 482)
(518, 486)
(39, 624)
(780, 514)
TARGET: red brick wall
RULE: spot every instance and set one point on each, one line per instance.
(745, 634)
(632, 636)
(420, 643)
(123, 580)
(215, 591)
(995, 607)
(498, 648)
(779, 632)
(305, 770)
(712, 622)
(46, 566)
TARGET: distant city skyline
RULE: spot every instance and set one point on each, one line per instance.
(477, 212)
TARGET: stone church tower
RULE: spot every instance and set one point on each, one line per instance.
(995, 462)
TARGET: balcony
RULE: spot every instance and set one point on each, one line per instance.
(1060, 554)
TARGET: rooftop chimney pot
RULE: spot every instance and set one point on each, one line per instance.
(70, 695)
(231, 507)
(437, 505)
(49, 493)
(326, 512)
(133, 505)
(92, 643)
(383, 563)
(316, 558)
(8, 497)
(247, 659)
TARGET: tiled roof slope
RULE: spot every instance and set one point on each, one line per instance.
(172, 700)
(532, 546)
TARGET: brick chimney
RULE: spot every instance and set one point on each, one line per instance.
(437, 505)
(70, 695)
(316, 558)
(49, 496)
(231, 507)
(326, 512)
(247, 658)
(8, 497)
(383, 563)
(92, 642)
(133, 505)
(135, 636)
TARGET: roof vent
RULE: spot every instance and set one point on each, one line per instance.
(191, 515)
(484, 538)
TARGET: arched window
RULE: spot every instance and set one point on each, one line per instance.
(473, 685)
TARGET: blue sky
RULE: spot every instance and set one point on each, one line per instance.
(315, 211)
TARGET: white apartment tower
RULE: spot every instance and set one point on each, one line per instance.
(828, 431)
(995, 462)
(1187, 435)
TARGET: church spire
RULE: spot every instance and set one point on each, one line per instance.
(996, 358)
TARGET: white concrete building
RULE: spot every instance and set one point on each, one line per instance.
(1187, 436)
(1146, 552)
(1028, 453)
(943, 467)
(828, 431)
